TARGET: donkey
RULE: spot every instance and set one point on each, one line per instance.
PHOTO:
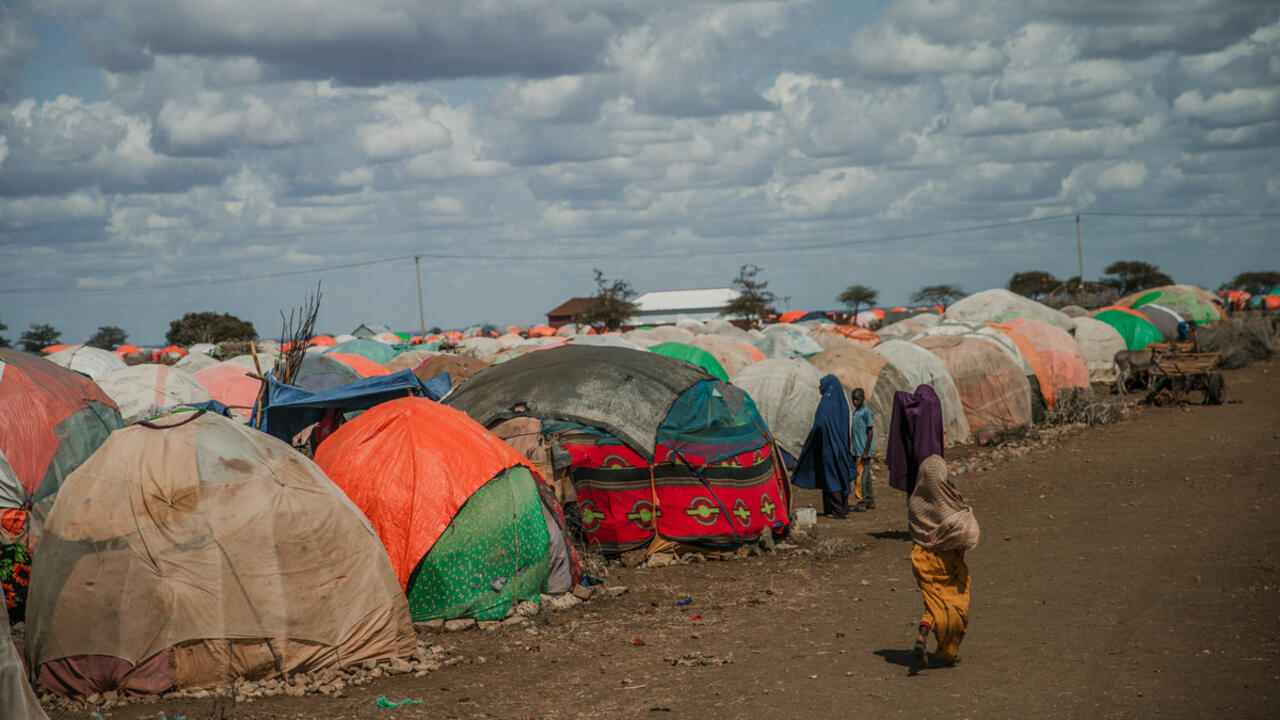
(1131, 361)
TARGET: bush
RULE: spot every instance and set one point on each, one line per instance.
(1241, 343)
(1088, 406)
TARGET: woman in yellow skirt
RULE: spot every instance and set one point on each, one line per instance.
(943, 529)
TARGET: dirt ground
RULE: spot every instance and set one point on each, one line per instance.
(1130, 571)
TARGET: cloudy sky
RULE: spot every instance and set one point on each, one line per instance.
(160, 156)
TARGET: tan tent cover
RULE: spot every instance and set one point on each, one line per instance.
(479, 347)
(997, 305)
(993, 389)
(671, 333)
(142, 391)
(860, 367)
(216, 545)
(1098, 343)
(922, 367)
(787, 395)
(410, 359)
(91, 361)
(194, 362)
(908, 328)
(731, 356)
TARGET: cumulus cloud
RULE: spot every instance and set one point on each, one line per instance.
(1123, 176)
(1241, 106)
(887, 50)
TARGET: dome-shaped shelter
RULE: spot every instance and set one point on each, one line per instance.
(998, 305)
(1098, 343)
(691, 354)
(1058, 351)
(787, 343)
(1133, 326)
(141, 391)
(1169, 323)
(860, 367)
(91, 361)
(193, 551)
(1187, 301)
(731, 355)
(195, 362)
(921, 367)
(908, 328)
(786, 394)
(367, 348)
(469, 525)
(993, 389)
(231, 386)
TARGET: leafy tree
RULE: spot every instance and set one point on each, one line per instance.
(209, 327)
(937, 294)
(612, 307)
(855, 296)
(754, 300)
(1034, 284)
(108, 337)
(1254, 283)
(4, 342)
(1130, 276)
(39, 336)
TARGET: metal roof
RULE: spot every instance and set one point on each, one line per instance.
(662, 300)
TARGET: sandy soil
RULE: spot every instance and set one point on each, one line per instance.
(1129, 571)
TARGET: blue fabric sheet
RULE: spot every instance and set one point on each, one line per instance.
(826, 462)
(289, 409)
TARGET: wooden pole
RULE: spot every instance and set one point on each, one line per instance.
(1080, 253)
(253, 350)
(422, 317)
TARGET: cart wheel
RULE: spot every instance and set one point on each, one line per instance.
(1217, 393)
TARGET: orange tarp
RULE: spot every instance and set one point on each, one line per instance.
(229, 384)
(791, 316)
(1038, 367)
(757, 355)
(541, 331)
(1058, 349)
(411, 464)
(55, 348)
(359, 363)
(323, 341)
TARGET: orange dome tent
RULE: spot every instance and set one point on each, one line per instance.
(791, 316)
(359, 363)
(323, 341)
(541, 331)
(469, 525)
(229, 384)
(1059, 351)
(1039, 368)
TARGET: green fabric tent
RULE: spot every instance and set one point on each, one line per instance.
(692, 354)
(1185, 301)
(378, 352)
(1138, 332)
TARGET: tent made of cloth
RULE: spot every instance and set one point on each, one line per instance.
(1058, 351)
(195, 362)
(691, 354)
(141, 391)
(361, 364)
(230, 385)
(288, 408)
(370, 349)
(1133, 326)
(829, 336)
(86, 360)
(731, 355)
(908, 328)
(986, 333)
(787, 343)
(1098, 343)
(410, 359)
(860, 367)
(997, 305)
(480, 347)
(671, 333)
(1044, 380)
(1187, 301)
(17, 700)
(993, 389)
(195, 551)
(469, 525)
(921, 367)
(622, 392)
(459, 368)
(607, 340)
(786, 394)
(1170, 324)
(712, 481)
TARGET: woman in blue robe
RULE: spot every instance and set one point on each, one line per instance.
(826, 462)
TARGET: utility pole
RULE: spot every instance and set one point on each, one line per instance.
(422, 316)
(1080, 253)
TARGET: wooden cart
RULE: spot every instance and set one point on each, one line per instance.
(1178, 372)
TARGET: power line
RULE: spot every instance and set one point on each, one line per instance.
(687, 254)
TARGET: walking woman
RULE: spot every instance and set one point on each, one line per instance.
(826, 462)
(943, 529)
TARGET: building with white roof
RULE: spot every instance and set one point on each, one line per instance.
(662, 307)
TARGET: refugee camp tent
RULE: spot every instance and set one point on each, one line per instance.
(720, 326)
(908, 328)
(479, 347)
(141, 391)
(231, 386)
(389, 338)
(1058, 350)
(289, 409)
(192, 551)
(410, 359)
(792, 316)
(193, 362)
(986, 333)
(859, 367)
(91, 361)
(671, 333)
(784, 327)
(1169, 323)
(643, 338)
(921, 367)
(1187, 301)
(1073, 311)
(509, 339)
(51, 421)
(694, 326)
(787, 343)
(993, 389)
(378, 352)
(607, 340)
(361, 364)
(756, 354)
(460, 369)
(659, 449)
(828, 336)
(202, 348)
(691, 354)
(786, 393)
(997, 305)
(731, 355)
(321, 372)
(1098, 343)
(541, 331)
(366, 330)
(323, 341)
(1134, 327)
(469, 530)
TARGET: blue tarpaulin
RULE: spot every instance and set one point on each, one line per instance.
(289, 409)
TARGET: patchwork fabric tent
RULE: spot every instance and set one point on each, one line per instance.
(908, 328)
(369, 349)
(231, 386)
(787, 343)
(1040, 372)
(1134, 327)
(986, 333)
(321, 372)
(671, 333)
(142, 391)
(786, 394)
(859, 367)
(460, 369)
(193, 551)
(91, 361)
(410, 359)
(1098, 343)
(1187, 301)
(289, 409)
(1058, 351)
(993, 389)
(921, 367)
(997, 305)
(643, 338)
(469, 525)
(1169, 323)
(720, 326)
(658, 448)
(361, 364)
(691, 354)
(731, 355)
(480, 347)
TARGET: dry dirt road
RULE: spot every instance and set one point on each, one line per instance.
(1131, 571)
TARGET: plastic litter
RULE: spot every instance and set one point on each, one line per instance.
(383, 702)
(684, 602)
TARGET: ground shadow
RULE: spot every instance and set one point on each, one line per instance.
(907, 659)
(891, 535)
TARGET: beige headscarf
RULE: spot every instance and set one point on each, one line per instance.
(940, 518)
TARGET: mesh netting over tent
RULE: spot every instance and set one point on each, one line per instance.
(922, 367)
(997, 305)
(1098, 343)
(142, 391)
(993, 389)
